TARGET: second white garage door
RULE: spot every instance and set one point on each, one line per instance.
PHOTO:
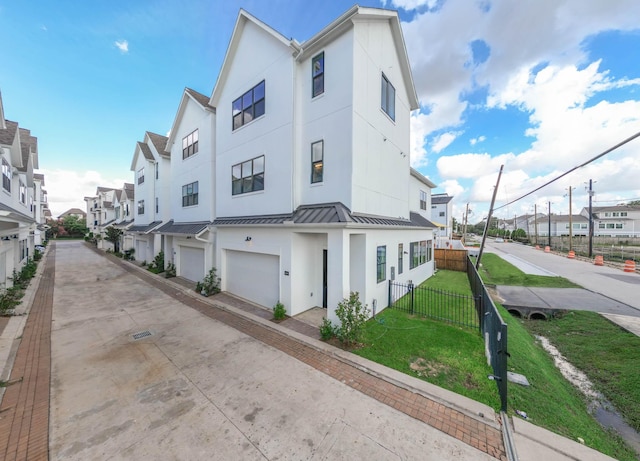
(253, 276)
(192, 263)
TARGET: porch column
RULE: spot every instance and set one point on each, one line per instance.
(337, 270)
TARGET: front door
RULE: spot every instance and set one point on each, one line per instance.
(324, 278)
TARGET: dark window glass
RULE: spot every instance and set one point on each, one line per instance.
(247, 176)
(381, 269)
(249, 106)
(388, 98)
(317, 161)
(317, 74)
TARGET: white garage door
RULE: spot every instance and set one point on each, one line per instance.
(253, 276)
(141, 251)
(192, 263)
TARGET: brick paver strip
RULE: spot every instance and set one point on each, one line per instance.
(448, 420)
(24, 412)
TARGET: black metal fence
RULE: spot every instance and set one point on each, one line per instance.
(433, 303)
(494, 331)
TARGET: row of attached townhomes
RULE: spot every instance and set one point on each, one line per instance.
(292, 178)
(23, 199)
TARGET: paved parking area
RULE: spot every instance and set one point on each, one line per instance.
(209, 384)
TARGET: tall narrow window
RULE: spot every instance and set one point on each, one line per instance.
(157, 205)
(23, 193)
(423, 200)
(317, 161)
(6, 175)
(317, 74)
(400, 257)
(388, 98)
(157, 170)
(247, 176)
(249, 106)
(190, 194)
(189, 145)
(140, 207)
(381, 261)
(141, 175)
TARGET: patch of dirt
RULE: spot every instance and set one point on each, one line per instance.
(469, 382)
(423, 367)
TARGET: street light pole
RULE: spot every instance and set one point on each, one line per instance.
(549, 224)
(590, 218)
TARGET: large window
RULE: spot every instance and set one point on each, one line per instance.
(190, 144)
(247, 176)
(140, 175)
(381, 262)
(419, 253)
(423, 200)
(317, 161)
(388, 98)
(140, 206)
(190, 194)
(400, 257)
(317, 74)
(6, 175)
(249, 106)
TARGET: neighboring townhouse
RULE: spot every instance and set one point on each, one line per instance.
(124, 214)
(560, 224)
(151, 167)
(77, 212)
(39, 206)
(442, 214)
(313, 189)
(19, 157)
(189, 237)
(100, 214)
(615, 221)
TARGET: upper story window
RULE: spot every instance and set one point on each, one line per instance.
(190, 144)
(441, 213)
(117, 209)
(126, 209)
(247, 176)
(317, 74)
(249, 106)
(140, 206)
(157, 205)
(400, 258)
(190, 194)
(23, 193)
(157, 167)
(423, 200)
(623, 214)
(388, 98)
(140, 175)
(317, 161)
(6, 175)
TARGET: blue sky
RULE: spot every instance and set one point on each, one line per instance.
(537, 85)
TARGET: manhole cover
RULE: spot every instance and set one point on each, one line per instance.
(142, 334)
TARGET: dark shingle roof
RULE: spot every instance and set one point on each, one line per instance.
(40, 177)
(420, 220)
(9, 133)
(202, 99)
(103, 189)
(439, 199)
(145, 228)
(128, 186)
(189, 228)
(160, 143)
(146, 151)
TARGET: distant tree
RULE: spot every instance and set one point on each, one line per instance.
(76, 227)
(519, 234)
(634, 203)
(113, 235)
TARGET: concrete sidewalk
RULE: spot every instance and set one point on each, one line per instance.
(212, 378)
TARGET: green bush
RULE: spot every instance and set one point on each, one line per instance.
(170, 271)
(327, 329)
(157, 265)
(9, 299)
(211, 283)
(279, 311)
(352, 315)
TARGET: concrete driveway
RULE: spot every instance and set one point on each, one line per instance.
(197, 389)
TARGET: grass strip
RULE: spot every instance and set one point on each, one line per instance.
(496, 271)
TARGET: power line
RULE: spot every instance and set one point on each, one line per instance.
(608, 151)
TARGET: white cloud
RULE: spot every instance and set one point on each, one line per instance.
(410, 5)
(122, 45)
(452, 187)
(443, 140)
(67, 189)
(474, 141)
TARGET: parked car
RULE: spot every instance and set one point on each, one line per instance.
(499, 240)
(39, 248)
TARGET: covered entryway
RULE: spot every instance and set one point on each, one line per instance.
(253, 276)
(192, 263)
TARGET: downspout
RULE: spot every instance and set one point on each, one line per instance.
(294, 128)
(198, 235)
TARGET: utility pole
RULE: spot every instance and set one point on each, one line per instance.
(466, 218)
(535, 220)
(549, 224)
(486, 228)
(590, 218)
(570, 222)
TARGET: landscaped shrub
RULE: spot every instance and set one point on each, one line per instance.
(279, 311)
(352, 315)
(9, 299)
(210, 284)
(170, 271)
(157, 265)
(327, 329)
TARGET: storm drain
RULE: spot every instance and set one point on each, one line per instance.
(142, 334)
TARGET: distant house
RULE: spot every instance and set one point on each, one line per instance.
(560, 224)
(77, 212)
(442, 213)
(615, 221)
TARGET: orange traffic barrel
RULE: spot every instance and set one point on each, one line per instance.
(571, 255)
(547, 249)
(537, 247)
(599, 261)
(629, 265)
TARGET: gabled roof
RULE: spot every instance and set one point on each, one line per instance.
(128, 187)
(119, 194)
(160, 143)
(190, 228)
(243, 18)
(71, 211)
(146, 151)
(599, 209)
(39, 177)
(29, 146)
(187, 95)
(8, 134)
(2, 123)
(422, 178)
(103, 189)
(440, 199)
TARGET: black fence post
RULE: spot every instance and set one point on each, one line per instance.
(412, 298)
(389, 296)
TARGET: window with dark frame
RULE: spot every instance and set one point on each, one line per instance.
(140, 175)
(157, 205)
(317, 75)
(381, 263)
(423, 200)
(248, 107)
(317, 161)
(400, 257)
(23, 193)
(388, 98)
(6, 175)
(140, 207)
(189, 145)
(247, 176)
(190, 194)
(157, 170)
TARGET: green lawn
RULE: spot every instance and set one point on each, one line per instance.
(496, 271)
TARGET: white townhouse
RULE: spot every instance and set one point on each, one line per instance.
(189, 237)
(560, 224)
(151, 167)
(313, 189)
(615, 221)
(100, 214)
(442, 214)
(19, 157)
(39, 206)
